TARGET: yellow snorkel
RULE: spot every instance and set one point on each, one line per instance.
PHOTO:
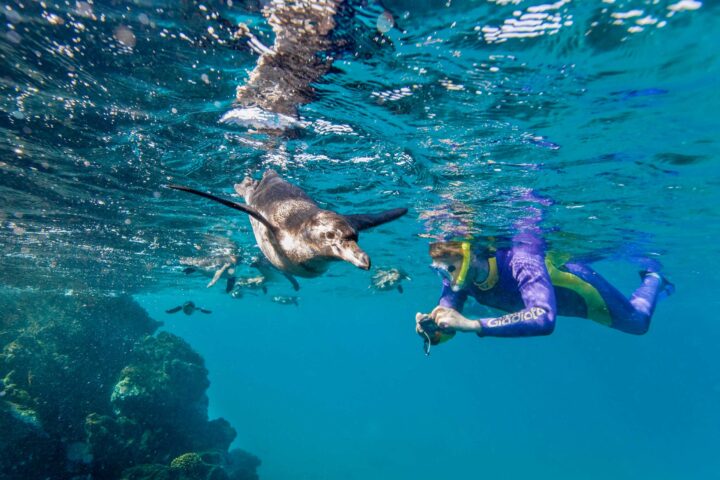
(464, 268)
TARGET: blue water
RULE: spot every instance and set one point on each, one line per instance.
(610, 110)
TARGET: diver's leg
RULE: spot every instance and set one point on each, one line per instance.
(230, 284)
(650, 291)
(630, 316)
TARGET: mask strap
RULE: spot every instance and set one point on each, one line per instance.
(465, 264)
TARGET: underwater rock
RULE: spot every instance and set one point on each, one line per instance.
(148, 472)
(19, 425)
(235, 465)
(87, 391)
(241, 465)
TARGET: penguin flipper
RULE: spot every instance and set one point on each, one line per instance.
(204, 311)
(228, 203)
(400, 289)
(363, 221)
(292, 280)
(230, 284)
(174, 309)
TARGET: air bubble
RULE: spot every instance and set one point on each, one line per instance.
(13, 37)
(385, 22)
(13, 16)
(84, 9)
(125, 36)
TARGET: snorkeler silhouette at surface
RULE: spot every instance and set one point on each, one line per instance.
(534, 287)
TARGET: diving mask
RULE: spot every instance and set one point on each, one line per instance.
(453, 271)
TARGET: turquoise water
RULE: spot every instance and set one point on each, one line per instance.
(609, 108)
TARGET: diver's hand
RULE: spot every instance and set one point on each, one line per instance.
(419, 317)
(450, 319)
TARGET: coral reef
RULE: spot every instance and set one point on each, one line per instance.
(88, 391)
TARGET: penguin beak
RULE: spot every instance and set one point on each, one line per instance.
(351, 252)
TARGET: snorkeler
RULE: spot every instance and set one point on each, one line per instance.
(214, 267)
(534, 288)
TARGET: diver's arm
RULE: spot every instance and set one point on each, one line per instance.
(538, 316)
(447, 313)
(218, 274)
(452, 299)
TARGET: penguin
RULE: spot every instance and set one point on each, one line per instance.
(188, 308)
(293, 232)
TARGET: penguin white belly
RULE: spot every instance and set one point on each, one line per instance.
(286, 253)
(268, 246)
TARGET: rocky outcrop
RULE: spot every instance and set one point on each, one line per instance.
(88, 389)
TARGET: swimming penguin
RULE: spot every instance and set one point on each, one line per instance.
(295, 234)
(188, 308)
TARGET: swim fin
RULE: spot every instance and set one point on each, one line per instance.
(666, 289)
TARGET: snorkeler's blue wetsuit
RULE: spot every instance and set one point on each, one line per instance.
(537, 288)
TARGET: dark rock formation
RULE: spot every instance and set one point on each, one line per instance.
(87, 389)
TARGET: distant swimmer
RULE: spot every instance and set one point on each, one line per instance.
(188, 308)
(215, 267)
(295, 234)
(389, 279)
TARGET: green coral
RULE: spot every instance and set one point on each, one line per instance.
(190, 466)
(187, 462)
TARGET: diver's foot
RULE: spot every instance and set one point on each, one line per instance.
(667, 288)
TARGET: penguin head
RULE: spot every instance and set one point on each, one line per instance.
(188, 308)
(333, 236)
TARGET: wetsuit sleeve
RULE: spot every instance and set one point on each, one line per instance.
(451, 299)
(538, 316)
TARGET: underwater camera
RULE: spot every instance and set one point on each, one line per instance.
(433, 334)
